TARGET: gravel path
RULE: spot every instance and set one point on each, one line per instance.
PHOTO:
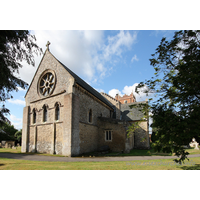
(85, 159)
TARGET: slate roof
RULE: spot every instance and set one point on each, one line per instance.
(131, 114)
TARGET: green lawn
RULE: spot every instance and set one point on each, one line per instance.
(9, 150)
(18, 150)
(141, 152)
(133, 152)
(159, 164)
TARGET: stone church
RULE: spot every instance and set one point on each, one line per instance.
(64, 115)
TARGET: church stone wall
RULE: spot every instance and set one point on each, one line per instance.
(86, 103)
(141, 136)
(25, 128)
(44, 138)
(88, 131)
(58, 138)
(50, 102)
(67, 125)
(31, 139)
(75, 137)
(118, 129)
(41, 134)
(115, 102)
(88, 138)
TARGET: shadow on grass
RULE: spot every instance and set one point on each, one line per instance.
(133, 152)
(29, 153)
(2, 165)
(193, 167)
(140, 152)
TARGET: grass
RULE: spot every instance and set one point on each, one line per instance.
(140, 152)
(193, 151)
(18, 150)
(9, 150)
(157, 164)
(133, 152)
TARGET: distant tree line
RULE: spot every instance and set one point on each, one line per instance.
(9, 133)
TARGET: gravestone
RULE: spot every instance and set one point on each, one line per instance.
(3, 143)
(194, 144)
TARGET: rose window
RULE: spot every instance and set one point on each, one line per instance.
(47, 84)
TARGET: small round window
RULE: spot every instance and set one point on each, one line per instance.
(47, 83)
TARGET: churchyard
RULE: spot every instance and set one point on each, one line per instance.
(156, 164)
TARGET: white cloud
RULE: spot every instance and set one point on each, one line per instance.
(113, 92)
(75, 49)
(84, 52)
(17, 101)
(17, 122)
(128, 90)
(117, 42)
(134, 58)
(14, 118)
(141, 96)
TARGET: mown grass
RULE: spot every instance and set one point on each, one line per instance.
(133, 152)
(9, 150)
(193, 151)
(157, 164)
(18, 150)
(141, 152)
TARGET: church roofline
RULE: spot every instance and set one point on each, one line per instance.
(86, 86)
(78, 80)
(103, 93)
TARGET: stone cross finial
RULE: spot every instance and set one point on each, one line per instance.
(47, 45)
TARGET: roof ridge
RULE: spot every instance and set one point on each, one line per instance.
(109, 96)
(86, 86)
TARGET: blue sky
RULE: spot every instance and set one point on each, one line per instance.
(110, 61)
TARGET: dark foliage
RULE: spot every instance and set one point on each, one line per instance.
(7, 132)
(15, 47)
(176, 113)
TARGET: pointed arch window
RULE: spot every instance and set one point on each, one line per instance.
(90, 115)
(44, 113)
(34, 116)
(57, 112)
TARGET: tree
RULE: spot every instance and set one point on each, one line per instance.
(15, 46)
(18, 135)
(176, 112)
(7, 132)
